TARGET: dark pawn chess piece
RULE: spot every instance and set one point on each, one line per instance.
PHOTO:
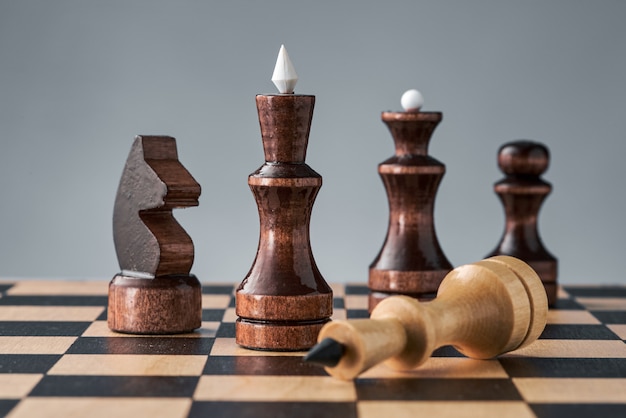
(411, 261)
(522, 193)
(154, 293)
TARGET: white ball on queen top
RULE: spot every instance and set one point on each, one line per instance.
(412, 100)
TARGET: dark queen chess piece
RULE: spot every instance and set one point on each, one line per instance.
(283, 302)
(411, 261)
(522, 193)
(154, 293)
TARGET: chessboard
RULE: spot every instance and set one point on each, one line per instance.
(58, 358)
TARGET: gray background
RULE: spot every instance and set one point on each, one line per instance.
(78, 79)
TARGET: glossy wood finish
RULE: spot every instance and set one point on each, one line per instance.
(483, 309)
(163, 305)
(155, 292)
(411, 261)
(283, 301)
(522, 193)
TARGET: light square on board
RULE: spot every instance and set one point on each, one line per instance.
(59, 288)
(35, 345)
(229, 315)
(603, 304)
(562, 293)
(215, 301)
(619, 330)
(339, 289)
(356, 302)
(50, 313)
(339, 315)
(583, 390)
(259, 409)
(274, 388)
(49, 407)
(460, 409)
(573, 348)
(16, 386)
(129, 365)
(561, 316)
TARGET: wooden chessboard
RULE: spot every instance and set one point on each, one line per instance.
(58, 358)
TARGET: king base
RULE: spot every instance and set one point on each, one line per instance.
(277, 336)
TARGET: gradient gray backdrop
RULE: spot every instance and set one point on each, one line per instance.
(78, 79)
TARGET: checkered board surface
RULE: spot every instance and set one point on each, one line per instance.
(58, 358)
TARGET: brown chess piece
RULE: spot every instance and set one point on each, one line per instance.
(411, 261)
(283, 302)
(154, 293)
(522, 193)
(483, 309)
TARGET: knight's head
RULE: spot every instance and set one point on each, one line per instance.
(153, 183)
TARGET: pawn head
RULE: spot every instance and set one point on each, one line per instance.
(523, 157)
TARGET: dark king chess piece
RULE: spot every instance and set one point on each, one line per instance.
(522, 193)
(411, 261)
(283, 302)
(154, 293)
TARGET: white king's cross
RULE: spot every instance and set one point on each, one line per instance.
(285, 76)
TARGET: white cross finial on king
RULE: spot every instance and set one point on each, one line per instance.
(284, 77)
